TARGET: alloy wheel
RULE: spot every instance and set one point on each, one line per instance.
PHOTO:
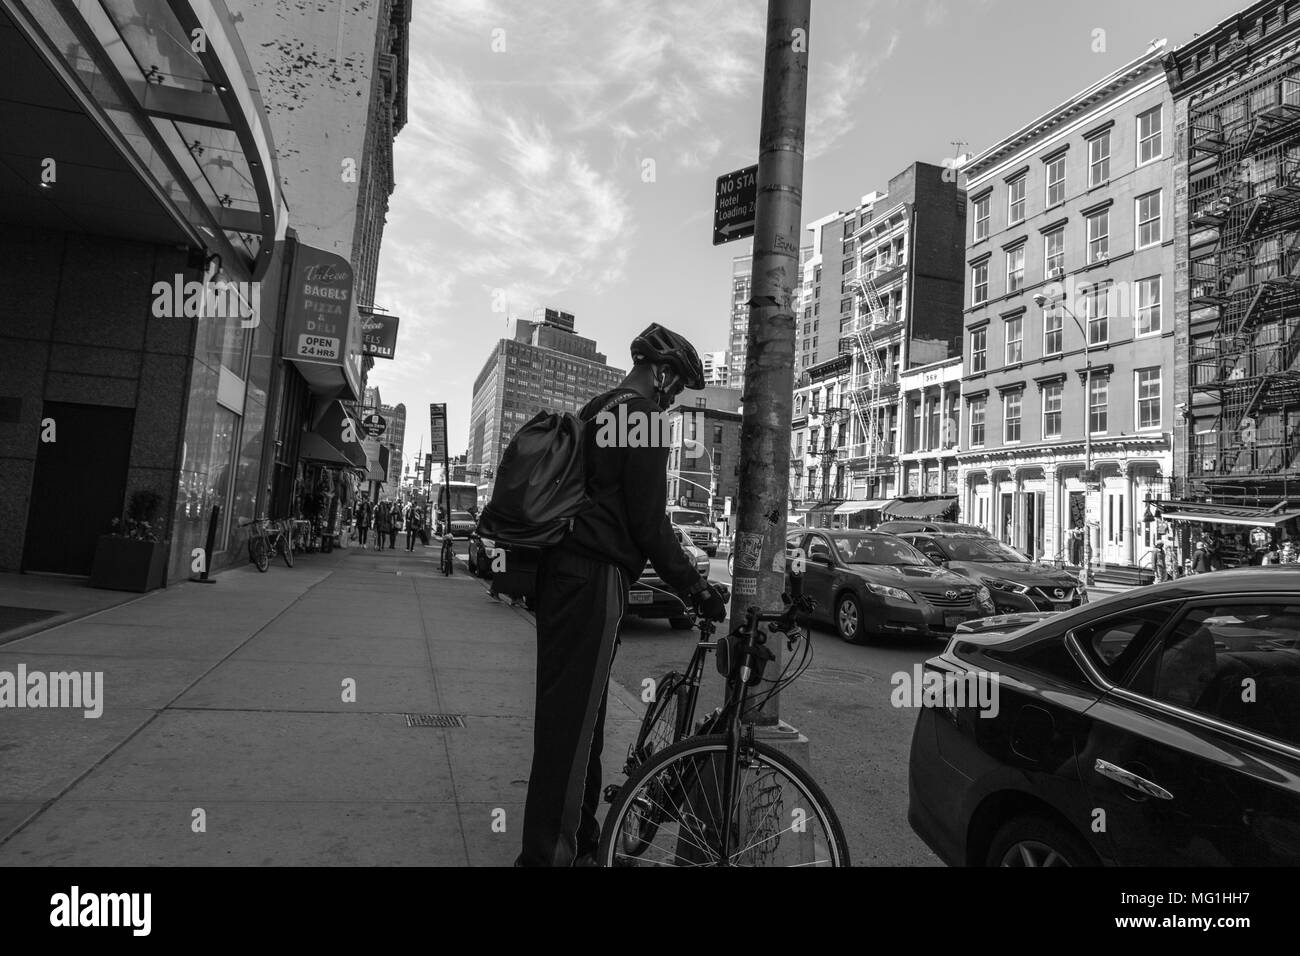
(1033, 853)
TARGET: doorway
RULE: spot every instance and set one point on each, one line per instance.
(1077, 522)
(78, 487)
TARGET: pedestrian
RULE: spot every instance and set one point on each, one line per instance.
(1270, 555)
(1201, 559)
(363, 516)
(413, 524)
(1159, 563)
(381, 523)
(394, 525)
(582, 587)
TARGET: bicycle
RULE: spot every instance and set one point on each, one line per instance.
(448, 549)
(263, 544)
(708, 793)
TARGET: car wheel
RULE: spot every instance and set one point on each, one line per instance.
(1035, 841)
(849, 623)
(680, 623)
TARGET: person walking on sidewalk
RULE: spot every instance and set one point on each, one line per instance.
(413, 521)
(382, 511)
(1159, 564)
(1201, 560)
(394, 525)
(582, 586)
(363, 515)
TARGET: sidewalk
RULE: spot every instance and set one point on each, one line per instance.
(224, 706)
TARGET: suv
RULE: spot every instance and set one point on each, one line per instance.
(696, 525)
(915, 525)
(1017, 584)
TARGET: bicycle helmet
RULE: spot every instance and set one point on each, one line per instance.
(657, 344)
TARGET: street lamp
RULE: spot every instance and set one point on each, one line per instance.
(1042, 301)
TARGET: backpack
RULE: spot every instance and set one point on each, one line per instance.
(541, 483)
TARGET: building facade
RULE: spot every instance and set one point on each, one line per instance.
(738, 330)
(1068, 351)
(717, 371)
(1237, 289)
(545, 366)
(394, 439)
(704, 458)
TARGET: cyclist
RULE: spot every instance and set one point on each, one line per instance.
(582, 587)
(448, 550)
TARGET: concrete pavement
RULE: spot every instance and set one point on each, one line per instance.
(229, 735)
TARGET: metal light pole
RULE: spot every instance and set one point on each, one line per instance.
(1042, 301)
(769, 366)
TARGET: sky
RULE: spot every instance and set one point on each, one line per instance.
(564, 153)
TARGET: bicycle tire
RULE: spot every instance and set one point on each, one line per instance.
(662, 710)
(257, 548)
(685, 759)
(286, 551)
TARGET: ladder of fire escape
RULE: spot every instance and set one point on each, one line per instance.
(867, 392)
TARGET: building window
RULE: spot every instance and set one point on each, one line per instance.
(1054, 253)
(1016, 269)
(915, 442)
(717, 434)
(1099, 159)
(1148, 397)
(1148, 306)
(1096, 314)
(1016, 201)
(1149, 138)
(1015, 334)
(1098, 389)
(847, 267)
(1053, 320)
(1099, 236)
(977, 423)
(978, 352)
(1056, 181)
(849, 226)
(981, 218)
(1011, 416)
(1052, 410)
(846, 305)
(979, 284)
(1148, 220)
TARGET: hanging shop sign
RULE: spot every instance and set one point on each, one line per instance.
(316, 321)
(378, 334)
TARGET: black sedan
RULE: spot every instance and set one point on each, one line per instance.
(868, 585)
(1160, 727)
(1017, 584)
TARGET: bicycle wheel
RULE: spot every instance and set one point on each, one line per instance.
(779, 816)
(286, 550)
(661, 724)
(257, 549)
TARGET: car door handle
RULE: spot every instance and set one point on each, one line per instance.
(1130, 779)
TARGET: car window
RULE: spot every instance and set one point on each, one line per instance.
(817, 547)
(1116, 643)
(878, 549)
(987, 550)
(1237, 661)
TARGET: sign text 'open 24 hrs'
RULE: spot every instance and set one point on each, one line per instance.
(734, 205)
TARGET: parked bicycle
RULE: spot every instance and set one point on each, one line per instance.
(265, 540)
(448, 551)
(706, 792)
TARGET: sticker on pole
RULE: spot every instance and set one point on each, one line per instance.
(779, 561)
(749, 548)
(745, 586)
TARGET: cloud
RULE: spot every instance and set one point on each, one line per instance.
(835, 100)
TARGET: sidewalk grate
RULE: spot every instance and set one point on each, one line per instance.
(435, 720)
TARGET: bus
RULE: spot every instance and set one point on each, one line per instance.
(464, 497)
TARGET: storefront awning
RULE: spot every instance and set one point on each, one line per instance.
(931, 508)
(314, 447)
(341, 430)
(1221, 514)
(856, 507)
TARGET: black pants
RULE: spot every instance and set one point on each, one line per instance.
(410, 539)
(362, 531)
(392, 540)
(580, 605)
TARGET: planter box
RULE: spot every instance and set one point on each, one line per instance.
(122, 564)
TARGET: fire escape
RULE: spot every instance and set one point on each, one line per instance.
(868, 379)
(1244, 263)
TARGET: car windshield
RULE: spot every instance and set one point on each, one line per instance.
(688, 517)
(461, 516)
(986, 550)
(878, 549)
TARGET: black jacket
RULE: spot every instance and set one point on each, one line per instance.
(627, 523)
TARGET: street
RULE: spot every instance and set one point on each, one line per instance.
(859, 742)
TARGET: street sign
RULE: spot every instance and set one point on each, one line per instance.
(734, 205)
(374, 425)
(438, 431)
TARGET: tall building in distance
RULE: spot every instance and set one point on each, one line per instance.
(737, 338)
(891, 274)
(393, 439)
(716, 369)
(547, 365)
(1237, 289)
(1069, 344)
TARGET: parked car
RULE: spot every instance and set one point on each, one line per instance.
(790, 527)
(650, 597)
(462, 524)
(696, 525)
(1159, 727)
(868, 585)
(1017, 584)
(916, 526)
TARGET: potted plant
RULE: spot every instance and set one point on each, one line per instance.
(131, 557)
